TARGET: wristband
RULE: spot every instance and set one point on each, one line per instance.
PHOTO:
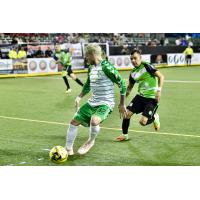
(159, 89)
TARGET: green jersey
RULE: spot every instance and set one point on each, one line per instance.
(64, 58)
(100, 81)
(144, 75)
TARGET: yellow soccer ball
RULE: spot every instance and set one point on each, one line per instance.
(58, 154)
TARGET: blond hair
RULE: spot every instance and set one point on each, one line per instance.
(93, 48)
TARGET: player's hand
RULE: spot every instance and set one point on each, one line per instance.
(122, 111)
(158, 95)
(77, 103)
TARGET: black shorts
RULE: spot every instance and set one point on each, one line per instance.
(188, 56)
(146, 106)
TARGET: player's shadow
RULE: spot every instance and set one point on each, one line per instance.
(75, 157)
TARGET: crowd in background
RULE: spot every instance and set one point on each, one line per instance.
(20, 41)
(21, 52)
(148, 39)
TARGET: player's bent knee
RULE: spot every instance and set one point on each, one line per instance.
(73, 76)
(143, 122)
(95, 121)
(129, 115)
(74, 122)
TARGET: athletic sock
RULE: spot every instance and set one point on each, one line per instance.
(94, 131)
(71, 136)
(66, 82)
(125, 126)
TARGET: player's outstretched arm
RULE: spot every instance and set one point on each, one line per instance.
(160, 84)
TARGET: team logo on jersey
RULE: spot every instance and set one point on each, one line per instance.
(150, 112)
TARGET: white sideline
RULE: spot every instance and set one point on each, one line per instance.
(65, 124)
(167, 81)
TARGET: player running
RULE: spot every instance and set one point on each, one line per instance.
(150, 83)
(65, 59)
(101, 78)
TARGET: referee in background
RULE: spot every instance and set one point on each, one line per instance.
(188, 55)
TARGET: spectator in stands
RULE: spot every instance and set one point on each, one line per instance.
(13, 53)
(188, 55)
(159, 59)
(30, 53)
(187, 37)
(0, 54)
(162, 41)
(33, 39)
(82, 39)
(148, 43)
(166, 42)
(61, 38)
(190, 43)
(155, 42)
(39, 53)
(21, 53)
(152, 43)
(183, 42)
(178, 41)
(95, 40)
(116, 40)
(14, 40)
(20, 41)
(48, 53)
(125, 50)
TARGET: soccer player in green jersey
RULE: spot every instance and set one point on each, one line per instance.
(101, 78)
(65, 59)
(150, 83)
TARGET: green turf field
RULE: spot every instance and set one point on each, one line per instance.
(34, 113)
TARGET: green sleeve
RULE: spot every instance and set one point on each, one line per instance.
(112, 73)
(86, 86)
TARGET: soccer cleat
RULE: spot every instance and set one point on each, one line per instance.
(86, 147)
(68, 90)
(70, 152)
(123, 137)
(156, 122)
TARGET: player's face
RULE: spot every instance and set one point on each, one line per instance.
(57, 48)
(90, 59)
(136, 59)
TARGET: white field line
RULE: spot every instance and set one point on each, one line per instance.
(21, 163)
(107, 128)
(167, 81)
(179, 81)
